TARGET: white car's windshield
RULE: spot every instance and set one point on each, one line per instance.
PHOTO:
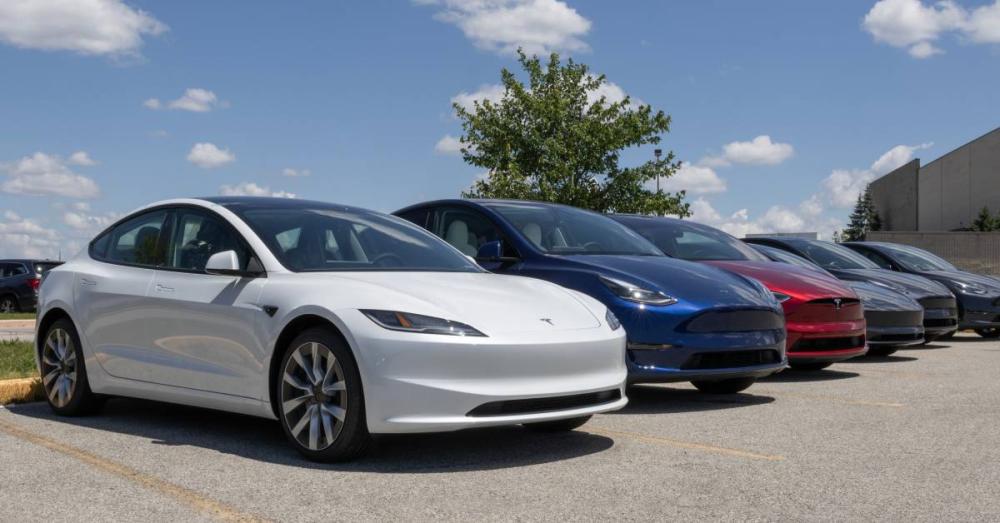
(565, 230)
(338, 239)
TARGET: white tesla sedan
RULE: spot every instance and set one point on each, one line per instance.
(338, 321)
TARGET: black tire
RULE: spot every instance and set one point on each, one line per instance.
(77, 399)
(989, 333)
(8, 303)
(730, 386)
(881, 351)
(809, 365)
(561, 425)
(947, 336)
(351, 438)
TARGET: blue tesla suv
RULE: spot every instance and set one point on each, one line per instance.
(685, 321)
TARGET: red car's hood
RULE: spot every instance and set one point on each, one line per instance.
(797, 282)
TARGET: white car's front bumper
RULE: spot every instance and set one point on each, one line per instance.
(430, 383)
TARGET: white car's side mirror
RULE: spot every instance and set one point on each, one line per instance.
(225, 263)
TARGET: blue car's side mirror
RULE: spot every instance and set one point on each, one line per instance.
(493, 252)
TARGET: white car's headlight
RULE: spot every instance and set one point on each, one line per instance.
(634, 293)
(409, 322)
(612, 320)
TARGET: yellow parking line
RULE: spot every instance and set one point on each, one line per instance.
(687, 445)
(187, 496)
(834, 399)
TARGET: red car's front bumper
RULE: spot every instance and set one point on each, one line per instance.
(825, 331)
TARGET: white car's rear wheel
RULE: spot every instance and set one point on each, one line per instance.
(64, 375)
(321, 401)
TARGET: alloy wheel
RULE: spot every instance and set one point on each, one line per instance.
(59, 367)
(7, 304)
(314, 396)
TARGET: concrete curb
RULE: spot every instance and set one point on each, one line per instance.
(21, 390)
(17, 324)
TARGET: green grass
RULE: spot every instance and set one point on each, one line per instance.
(16, 360)
(17, 315)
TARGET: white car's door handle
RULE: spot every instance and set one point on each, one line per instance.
(163, 288)
(87, 282)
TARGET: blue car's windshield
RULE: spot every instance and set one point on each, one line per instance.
(308, 239)
(565, 230)
(915, 259)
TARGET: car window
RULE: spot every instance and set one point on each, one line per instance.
(197, 236)
(5, 269)
(138, 241)
(18, 269)
(464, 229)
(337, 239)
(876, 258)
(917, 259)
(417, 216)
(689, 241)
(831, 256)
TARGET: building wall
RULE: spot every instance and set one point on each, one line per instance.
(952, 189)
(977, 252)
(895, 198)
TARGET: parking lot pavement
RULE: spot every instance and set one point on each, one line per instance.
(913, 436)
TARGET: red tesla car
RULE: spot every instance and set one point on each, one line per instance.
(824, 317)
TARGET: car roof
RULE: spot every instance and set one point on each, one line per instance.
(268, 202)
(487, 202)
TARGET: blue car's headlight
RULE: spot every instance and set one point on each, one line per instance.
(637, 294)
(409, 322)
(612, 320)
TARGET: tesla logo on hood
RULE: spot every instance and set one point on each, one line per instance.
(547, 320)
(836, 304)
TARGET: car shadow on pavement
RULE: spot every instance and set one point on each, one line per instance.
(654, 399)
(928, 346)
(263, 440)
(893, 358)
(800, 376)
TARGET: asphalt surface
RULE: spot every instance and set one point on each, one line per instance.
(909, 437)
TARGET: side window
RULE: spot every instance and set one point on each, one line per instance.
(417, 217)
(5, 270)
(139, 240)
(466, 230)
(877, 258)
(197, 236)
(18, 269)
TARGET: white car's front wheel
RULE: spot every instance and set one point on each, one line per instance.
(64, 373)
(321, 401)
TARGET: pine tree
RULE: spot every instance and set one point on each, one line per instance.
(984, 221)
(864, 219)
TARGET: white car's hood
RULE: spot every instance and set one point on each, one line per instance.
(491, 303)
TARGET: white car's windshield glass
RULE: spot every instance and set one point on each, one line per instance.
(832, 257)
(565, 230)
(690, 241)
(306, 239)
(916, 259)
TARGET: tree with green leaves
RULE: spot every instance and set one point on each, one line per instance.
(558, 139)
(864, 218)
(985, 221)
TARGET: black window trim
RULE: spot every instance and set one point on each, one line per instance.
(171, 209)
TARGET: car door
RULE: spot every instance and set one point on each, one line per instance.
(111, 293)
(204, 327)
(467, 230)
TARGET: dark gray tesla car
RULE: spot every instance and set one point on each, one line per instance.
(978, 295)
(940, 308)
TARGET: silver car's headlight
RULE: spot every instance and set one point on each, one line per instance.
(634, 293)
(409, 322)
(612, 320)
(970, 288)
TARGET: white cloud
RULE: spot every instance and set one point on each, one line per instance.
(844, 185)
(502, 26)
(915, 26)
(759, 151)
(26, 238)
(84, 222)
(90, 27)
(695, 179)
(252, 189)
(493, 93)
(209, 156)
(45, 175)
(776, 218)
(811, 207)
(293, 173)
(448, 145)
(194, 99)
(81, 158)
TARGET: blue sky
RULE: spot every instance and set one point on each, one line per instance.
(782, 110)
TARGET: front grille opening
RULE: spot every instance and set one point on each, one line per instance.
(540, 405)
(737, 321)
(940, 322)
(822, 344)
(734, 359)
(897, 337)
(937, 303)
